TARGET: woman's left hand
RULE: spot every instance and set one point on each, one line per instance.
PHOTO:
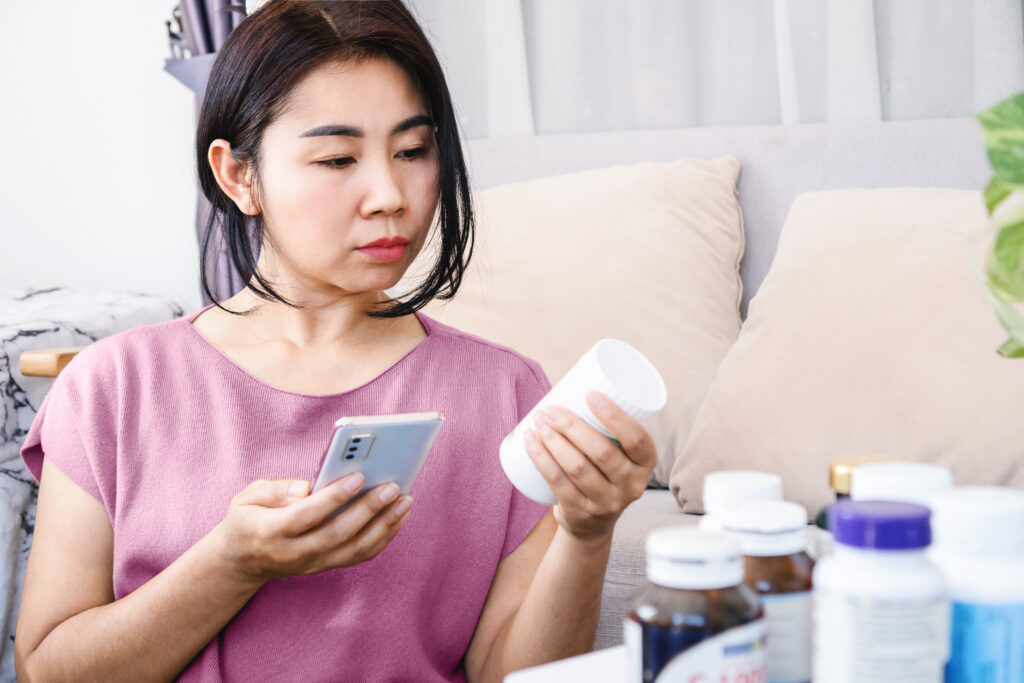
(592, 478)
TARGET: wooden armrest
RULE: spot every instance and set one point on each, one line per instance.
(46, 362)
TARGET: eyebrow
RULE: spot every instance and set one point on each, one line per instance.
(354, 132)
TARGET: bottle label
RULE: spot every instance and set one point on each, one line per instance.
(733, 656)
(863, 640)
(788, 637)
(987, 644)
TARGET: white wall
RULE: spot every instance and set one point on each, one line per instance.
(97, 187)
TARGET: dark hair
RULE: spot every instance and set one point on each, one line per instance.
(262, 61)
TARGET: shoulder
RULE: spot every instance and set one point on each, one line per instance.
(110, 359)
(474, 351)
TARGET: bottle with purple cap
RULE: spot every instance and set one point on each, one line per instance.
(881, 612)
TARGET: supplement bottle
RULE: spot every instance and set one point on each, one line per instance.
(908, 482)
(695, 620)
(772, 536)
(612, 367)
(819, 544)
(727, 489)
(880, 608)
(979, 547)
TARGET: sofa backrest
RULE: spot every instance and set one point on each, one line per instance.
(778, 163)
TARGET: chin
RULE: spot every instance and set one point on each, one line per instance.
(376, 283)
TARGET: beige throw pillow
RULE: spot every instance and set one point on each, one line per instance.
(647, 253)
(870, 335)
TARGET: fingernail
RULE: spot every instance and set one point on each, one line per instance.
(298, 489)
(388, 493)
(353, 482)
(531, 437)
(403, 506)
(540, 419)
(597, 400)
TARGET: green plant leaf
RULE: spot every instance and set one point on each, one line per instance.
(1012, 349)
(995, 193)
(1003, 125)
(1005, 267)
(1012, 321)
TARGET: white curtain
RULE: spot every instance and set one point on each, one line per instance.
(522, 67)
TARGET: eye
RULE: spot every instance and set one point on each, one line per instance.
(340, 162)
(413, 153)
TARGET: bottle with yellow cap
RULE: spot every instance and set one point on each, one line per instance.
(840, 475)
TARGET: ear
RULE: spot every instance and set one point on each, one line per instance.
(232, 176)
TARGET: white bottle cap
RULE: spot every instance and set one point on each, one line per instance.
(611, 367)
(684, 557)
(624, 375)
(982, 521)
(768, 528)
(729, 488)
(904, 482)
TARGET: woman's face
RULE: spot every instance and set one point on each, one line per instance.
(351, 163)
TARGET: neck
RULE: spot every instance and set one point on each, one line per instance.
(328, 315)
(318, 323)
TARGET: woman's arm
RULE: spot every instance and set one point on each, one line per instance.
(525, 623)
(70, 628)
(545, 598)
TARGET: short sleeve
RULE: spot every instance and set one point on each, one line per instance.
(73, 430)
(523, 514)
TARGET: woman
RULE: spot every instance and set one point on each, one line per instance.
(176, 534)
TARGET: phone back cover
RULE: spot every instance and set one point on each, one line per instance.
(398, 452)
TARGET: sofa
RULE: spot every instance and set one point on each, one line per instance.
(624, 274)
(777, 165)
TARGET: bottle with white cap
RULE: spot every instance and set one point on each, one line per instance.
(727, 489)
(612, 367)
(695, 619)
(772, 536)
(908, 482)
(979, 547)
(881, 614)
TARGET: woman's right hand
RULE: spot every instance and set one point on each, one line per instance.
(273, 531)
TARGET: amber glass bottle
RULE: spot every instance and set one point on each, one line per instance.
(772, 535)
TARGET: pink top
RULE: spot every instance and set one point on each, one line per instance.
(164, 429)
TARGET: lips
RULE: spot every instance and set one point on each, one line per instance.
(396, 241)
(386, 249)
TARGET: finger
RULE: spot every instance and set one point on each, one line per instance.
(303, 515)
(375, 536)
(604, 453)
(635, 440)
(356, 515)
(583, 473)
(561, 485)
(273, 492)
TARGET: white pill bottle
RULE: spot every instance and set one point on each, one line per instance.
(612, 367)
(729, 489)
(979, 546)
(880, 609)
(909, 482)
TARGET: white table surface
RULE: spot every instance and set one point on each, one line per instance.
(603, 666)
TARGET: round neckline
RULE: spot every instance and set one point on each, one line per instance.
(425, 323)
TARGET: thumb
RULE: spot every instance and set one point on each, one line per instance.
(274, 492)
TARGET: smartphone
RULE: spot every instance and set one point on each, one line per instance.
(384, 448)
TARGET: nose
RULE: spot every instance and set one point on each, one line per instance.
(384, 195)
